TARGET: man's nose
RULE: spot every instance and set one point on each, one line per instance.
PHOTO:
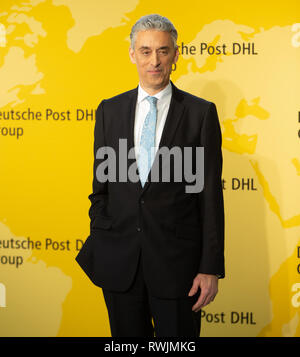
(155, 59)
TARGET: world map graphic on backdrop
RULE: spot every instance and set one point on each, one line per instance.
(58, 60)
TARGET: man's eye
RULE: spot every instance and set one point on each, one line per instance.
(146, 53)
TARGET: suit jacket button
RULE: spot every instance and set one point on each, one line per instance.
(142, 201)
(138, 229)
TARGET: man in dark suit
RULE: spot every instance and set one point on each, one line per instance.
(156, 245)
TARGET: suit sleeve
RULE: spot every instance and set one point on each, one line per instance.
(211, 198)
(98, 197)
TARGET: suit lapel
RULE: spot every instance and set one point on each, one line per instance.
(173, 117)
(172, 120)
(130, 133)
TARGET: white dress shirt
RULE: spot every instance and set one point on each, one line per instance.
(142, 109)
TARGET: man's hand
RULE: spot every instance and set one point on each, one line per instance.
(209, 289)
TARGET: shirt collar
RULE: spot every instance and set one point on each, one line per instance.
(142, 94)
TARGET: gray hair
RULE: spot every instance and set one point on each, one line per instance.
(153, 22)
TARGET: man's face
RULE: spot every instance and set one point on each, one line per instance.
(154, 55)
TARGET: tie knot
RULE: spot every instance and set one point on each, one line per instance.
(152, 100)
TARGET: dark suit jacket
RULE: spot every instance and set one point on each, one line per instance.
(179, 234)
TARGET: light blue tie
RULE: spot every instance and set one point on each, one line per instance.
(146, 154)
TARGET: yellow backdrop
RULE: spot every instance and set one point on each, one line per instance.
(58, 60)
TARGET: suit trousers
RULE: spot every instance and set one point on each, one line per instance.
(132, 312)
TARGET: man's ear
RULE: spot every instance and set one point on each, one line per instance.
(132, 55)
(176, 55)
